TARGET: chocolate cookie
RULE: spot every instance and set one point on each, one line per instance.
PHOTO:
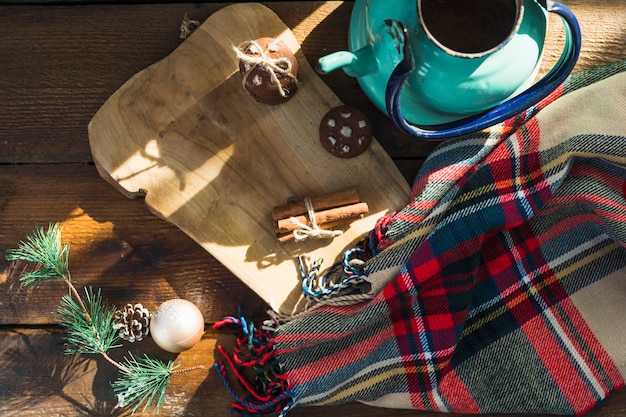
(345, 132)
(269, 70)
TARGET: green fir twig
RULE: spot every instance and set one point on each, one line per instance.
(144, 380)
(89, 326)
(43, 248)
(89, 322)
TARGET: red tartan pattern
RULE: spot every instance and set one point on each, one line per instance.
(477, 316)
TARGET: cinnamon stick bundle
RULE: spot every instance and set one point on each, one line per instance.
(330, 211)
(338, 199)
(347, 213)
(286, 237)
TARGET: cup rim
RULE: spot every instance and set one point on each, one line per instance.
(519, 14)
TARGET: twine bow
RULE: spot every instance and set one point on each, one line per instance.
(274, 66)
(313, 231)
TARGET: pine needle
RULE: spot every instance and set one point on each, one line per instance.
(89, 320)
(43, 248)
(144, 381)
(92, 333)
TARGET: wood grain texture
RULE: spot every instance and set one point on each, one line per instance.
(116, 245)
(215, 162)
(58, 65)
(38, 379)
(55, 76)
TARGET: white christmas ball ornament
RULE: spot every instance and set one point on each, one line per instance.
(176, 325)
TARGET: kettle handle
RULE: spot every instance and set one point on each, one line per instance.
(550, 82)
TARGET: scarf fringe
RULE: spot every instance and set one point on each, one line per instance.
(266, 390)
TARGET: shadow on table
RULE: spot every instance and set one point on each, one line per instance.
(37, 374)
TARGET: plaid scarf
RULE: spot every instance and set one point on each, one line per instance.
(497, 289)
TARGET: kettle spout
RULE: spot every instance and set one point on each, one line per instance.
(355, 64)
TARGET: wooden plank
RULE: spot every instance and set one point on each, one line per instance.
(39, 379)
(116, 245)
(44, 113)
(38, 376)
(215, 162)
(60, 64)
(54, 80)
(57, 73)
(63, 62)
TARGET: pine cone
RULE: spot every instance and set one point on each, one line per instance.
(132, 322)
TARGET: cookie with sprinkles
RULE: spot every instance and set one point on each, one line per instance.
(345, 132)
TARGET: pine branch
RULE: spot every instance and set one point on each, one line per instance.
(144, 382)
(90, 330)
(43, 248)
(89, 322)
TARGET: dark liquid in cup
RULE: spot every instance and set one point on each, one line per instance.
(469, 26)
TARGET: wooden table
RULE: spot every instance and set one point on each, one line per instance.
(58, 65)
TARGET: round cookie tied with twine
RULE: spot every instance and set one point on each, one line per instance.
(269, 70)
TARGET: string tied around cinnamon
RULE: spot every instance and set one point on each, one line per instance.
(313, 231)
(247, 53)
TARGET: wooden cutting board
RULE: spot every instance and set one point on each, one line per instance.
(214, 162)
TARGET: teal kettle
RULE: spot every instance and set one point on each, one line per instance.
(446, 68)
